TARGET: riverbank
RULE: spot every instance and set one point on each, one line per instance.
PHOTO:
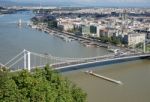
(65, 35)
(85, 41)
(7, 11)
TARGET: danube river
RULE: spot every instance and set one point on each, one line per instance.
(135, 75)
(14, 39)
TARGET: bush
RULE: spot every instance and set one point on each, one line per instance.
(42, 85)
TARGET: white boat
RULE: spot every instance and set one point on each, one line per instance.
(20, 22)
(67, 39)
(113, 50)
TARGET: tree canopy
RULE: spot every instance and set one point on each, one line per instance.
(42, 85)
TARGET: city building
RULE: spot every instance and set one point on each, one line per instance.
(148, 35)
(134, 38)
(65, 26)
(86, 30)
(99, 29)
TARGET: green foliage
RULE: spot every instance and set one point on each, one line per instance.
(52, 24)
(105, 39)
(35, 22)
(42, 85)
(113, 40)
(73, 30)
(139, 45)
(148, 47)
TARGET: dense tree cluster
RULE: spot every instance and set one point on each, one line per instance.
(148, 47)
(113, 40)
(42, 85)
(52, 24)
(49, 20)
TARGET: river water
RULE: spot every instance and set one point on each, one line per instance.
(14, 39)
(135, 75)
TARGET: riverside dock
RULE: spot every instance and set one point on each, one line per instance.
(105, 78)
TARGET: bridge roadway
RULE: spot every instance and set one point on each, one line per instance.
(97, 61)
(68, 64)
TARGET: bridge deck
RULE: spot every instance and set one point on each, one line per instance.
(59, 63)
(98, 61)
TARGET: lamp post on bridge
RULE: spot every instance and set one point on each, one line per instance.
(144, 47)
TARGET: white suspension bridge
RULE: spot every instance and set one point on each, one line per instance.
(31, 60)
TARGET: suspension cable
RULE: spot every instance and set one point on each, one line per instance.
(14, 58)
(16, 62)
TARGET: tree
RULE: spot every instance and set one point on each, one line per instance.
(115, 40)
(52, 24)
(42, 85)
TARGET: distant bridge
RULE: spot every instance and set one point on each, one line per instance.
(31, 60)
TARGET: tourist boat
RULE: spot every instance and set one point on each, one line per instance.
(113, 50)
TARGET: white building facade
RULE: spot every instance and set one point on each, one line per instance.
(135, 38)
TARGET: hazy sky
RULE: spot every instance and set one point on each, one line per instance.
(93, 2)
(89, 1)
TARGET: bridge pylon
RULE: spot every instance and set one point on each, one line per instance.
(27, 60)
